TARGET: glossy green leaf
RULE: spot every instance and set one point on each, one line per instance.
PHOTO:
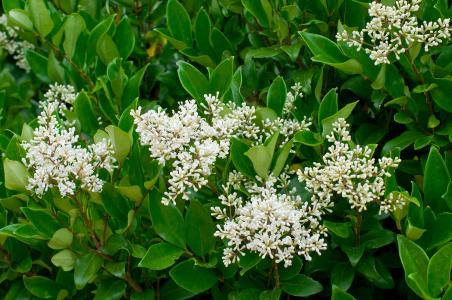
(414, 260)
(344, 113)
(301, 286)
(42, 220)
(200, 229)
(16, 175)
(62, 238)
(179, 23)
(438, 270)
(106, 49)
(261, 156)
(328, 106)
(41, 287)
(193, 278)
(86, 268)
(65, 259)
(240, 160)
(167, 220)
(110, 289)
(261, 10)
(276, 97)
(160, 256)
(436, 180)
(73, 26)
(124, 38)
(308, 138)
(221, 78)
(193, 81)
(20, 18)
(40, 17)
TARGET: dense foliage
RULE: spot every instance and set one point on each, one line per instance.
(225, 149)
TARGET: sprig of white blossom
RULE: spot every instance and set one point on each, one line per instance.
(286, 125)
(348, 172)
(56, 160)
(393, 29)
(272, 222)
(60, 97)
(190, 142)
(9, 40)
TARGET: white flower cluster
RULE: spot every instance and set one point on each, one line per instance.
(286, 126)
(9, 40)
(393, 29)
(56, 160)
(393, 202)
(271, 223)
(348, 172)
(191, 142)
(60, 97)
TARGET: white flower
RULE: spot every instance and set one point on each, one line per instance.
(56, 160)
(271, 223)
(61, 97)
(393, 29)
(192, 143)
(9, 40)
(348, 172)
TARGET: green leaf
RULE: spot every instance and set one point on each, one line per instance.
(376, 272)
(73, 26)
(221, 78)
(179, 23)
(343, 230)
(342, 275)
(120, 141)
(65, 259)
(414, 260)
(124, 38)
(193, 81)
(167, 220)
(402, 141)
(42, 220)
(40, 16)
(309, 138)
(41, 287)
(438, 270)
(339, 294)
(38, 64)
(261, 156)
(200, 229)
(281, 158)
(240, 160)
(16, 175)
(328, 106)
(86, 267)
(61, 239)
(106, 49)
(301, 286)
(344, 112)
(160, 256)
(193, 278)
(203, 28)
(132, 90)
(85, 113)
(55, 70)
(261, 10)
(20, 18)
(110, 289)
(327, 52)
(436, 180)
(276, 97)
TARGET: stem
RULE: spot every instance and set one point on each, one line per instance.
(128, 278)
(88, 223)
(276, 274)
(55, 49)
(359, 220)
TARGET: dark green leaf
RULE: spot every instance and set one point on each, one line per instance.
(200, 229)
(193, 278)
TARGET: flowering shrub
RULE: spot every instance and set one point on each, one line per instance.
(245, 149)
